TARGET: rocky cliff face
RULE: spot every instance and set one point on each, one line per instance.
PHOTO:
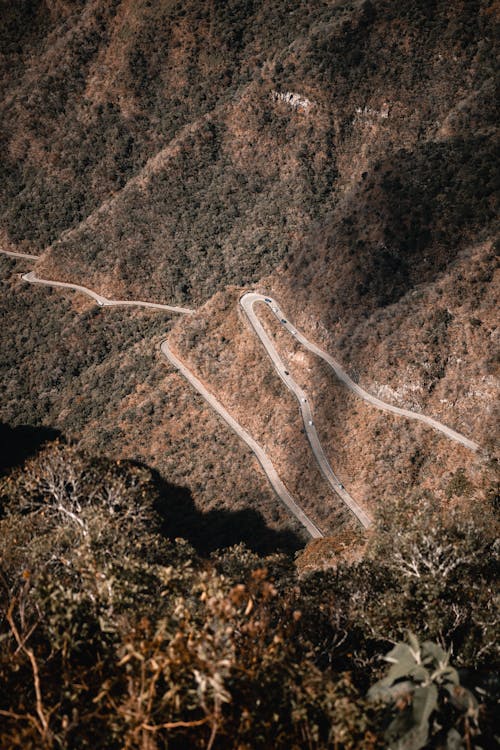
(164, 151)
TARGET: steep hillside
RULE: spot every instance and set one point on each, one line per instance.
(95, 376)
(339, 155)
(149, 148)
(115, 636)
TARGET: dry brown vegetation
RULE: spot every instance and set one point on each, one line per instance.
(219, 345)
(117, 396)
(144, 155)
(113, 635)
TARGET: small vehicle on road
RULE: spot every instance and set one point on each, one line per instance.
(304, 400)
(310, 421)
(283, 320)
(286, 372)
(266, 299)
(341, 486)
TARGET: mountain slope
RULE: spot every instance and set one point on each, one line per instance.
(109, 87)
(337, 154)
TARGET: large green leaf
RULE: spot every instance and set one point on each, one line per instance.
(403, 665)
(404, 668)
(425, 701)
(400, 652)
(433, 652)
(410, 729)
(414, 642)
(414, 739)
(450, 676)
(462, 699)
(391, 693)
(420, 674)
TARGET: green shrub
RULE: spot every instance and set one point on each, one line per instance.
(425, 693)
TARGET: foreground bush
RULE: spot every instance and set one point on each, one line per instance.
(425, 692)
(115, 637)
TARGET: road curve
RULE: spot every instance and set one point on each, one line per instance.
(247, 302)
(250, 298)
(104, 301)
(262, 457)
(99, 298)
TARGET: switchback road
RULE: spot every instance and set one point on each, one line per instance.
(247, 302)
(266, 463)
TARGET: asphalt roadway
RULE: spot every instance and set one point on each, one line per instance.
(250, 298)
(247, 302)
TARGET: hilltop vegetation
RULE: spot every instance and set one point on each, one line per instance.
(114, 635)
(142, 142)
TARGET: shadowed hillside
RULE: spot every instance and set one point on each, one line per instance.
(338, 154)
(19, 443)
(148, 134)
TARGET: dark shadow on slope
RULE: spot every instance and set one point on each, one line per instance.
(412, 214)
(217, 529)
(20, 443)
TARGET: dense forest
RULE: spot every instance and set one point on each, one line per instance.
(143, 147)
(116, 635)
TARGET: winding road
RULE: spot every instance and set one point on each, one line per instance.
(264, 460)
(103, 301)
(247, 302)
